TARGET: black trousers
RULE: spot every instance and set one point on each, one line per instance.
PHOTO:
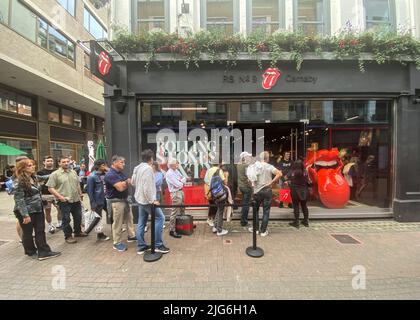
(212, 210)
(36, 225)
(296, 202)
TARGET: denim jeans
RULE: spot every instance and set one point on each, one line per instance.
(144, 211)
(75, 209)
(263, 197)
(246, 194)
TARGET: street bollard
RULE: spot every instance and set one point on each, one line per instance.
(254, 251)
(152, 255)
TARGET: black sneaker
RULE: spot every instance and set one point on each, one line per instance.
(102, 237)
(290, 206)
(143, 250)
(131, 239)
(175, 235)
(305, 223)
(49, 255)
(244, 224)
(281, 205)
(294, 224)
(162, 249)
(33, 255)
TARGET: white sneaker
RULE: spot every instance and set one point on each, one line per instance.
(251, 229)
(145, 229)
(210, 222)
(223, 232)
(214, 230)
(51, 229)
(264, 234)
(164, 226)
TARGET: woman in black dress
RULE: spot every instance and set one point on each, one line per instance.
(299, 188)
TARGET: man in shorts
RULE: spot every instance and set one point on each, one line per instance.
(47, 198)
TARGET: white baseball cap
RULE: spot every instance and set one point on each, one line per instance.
(245, 154)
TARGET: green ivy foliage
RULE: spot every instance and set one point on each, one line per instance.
(382, 44)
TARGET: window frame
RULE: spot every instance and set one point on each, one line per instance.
(392, 16)
(236, 16)
(282, 16)
(136, 20)
(326, 23)
(67, 7)
(91, 15)
(14, 97)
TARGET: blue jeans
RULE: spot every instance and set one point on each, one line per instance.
(75, 209)
(144, 211)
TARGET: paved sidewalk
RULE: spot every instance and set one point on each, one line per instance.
(298, 264)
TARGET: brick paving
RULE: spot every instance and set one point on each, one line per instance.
(298, 264)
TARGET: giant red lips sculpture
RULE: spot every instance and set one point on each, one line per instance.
(332, 188)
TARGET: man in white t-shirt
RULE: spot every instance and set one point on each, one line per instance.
(263, 193)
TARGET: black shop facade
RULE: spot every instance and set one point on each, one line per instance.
(325, 113)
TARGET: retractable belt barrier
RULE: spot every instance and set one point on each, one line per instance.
(253, 251)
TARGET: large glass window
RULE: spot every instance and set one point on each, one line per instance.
(23, 20)
(73, 151)
(53, 113)
(361, 130)
(69, 5)
(28, 146)
(94, 26)
(67, 117)
(16, 103)
(220, 15)
(312, 16)
(4, 11)
(266, 15)
(151, 15)
(57, 42)
(378, 12)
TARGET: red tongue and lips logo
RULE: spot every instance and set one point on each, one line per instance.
(104, 63)
(270, 78)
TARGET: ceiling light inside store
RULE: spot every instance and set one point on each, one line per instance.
(185, 109)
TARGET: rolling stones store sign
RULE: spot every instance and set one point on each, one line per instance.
(102, 64)
(270, 77)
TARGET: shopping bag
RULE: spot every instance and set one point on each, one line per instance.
(284, 196)
(91, 220)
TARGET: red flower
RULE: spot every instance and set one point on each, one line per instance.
(354, 42)
(342, 44)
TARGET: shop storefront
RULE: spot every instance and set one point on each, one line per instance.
(371, 117)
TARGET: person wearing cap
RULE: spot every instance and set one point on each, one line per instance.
(175, 182)
(244, 186)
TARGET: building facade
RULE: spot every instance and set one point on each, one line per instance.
(372, 117)
(245, 16)
(50, 103)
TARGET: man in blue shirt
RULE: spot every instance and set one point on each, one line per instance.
(117, 183)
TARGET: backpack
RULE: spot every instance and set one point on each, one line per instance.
(217, 189)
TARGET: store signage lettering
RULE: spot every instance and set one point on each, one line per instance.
(270, 79)
(306, 79)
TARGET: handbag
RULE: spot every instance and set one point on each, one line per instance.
(91, 221)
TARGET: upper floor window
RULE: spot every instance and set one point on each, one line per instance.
(69, 5)
(220, 15)
(37, 30)
(378, 12)
(4, 11)
(266, 16)
(16, 103)
(151, 15)
(65, 116)
(93, 26)
(312, 16)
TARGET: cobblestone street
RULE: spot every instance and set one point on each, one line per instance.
(298, 264)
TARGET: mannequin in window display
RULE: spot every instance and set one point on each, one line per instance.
(369, 172)
(350, 174)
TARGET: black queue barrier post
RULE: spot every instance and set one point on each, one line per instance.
(152, 255)
(254, 251)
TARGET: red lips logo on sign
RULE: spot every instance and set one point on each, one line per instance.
(270, 78)
(104, 63)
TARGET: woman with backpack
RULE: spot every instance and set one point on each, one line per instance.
(219, 194)
(299, 183)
